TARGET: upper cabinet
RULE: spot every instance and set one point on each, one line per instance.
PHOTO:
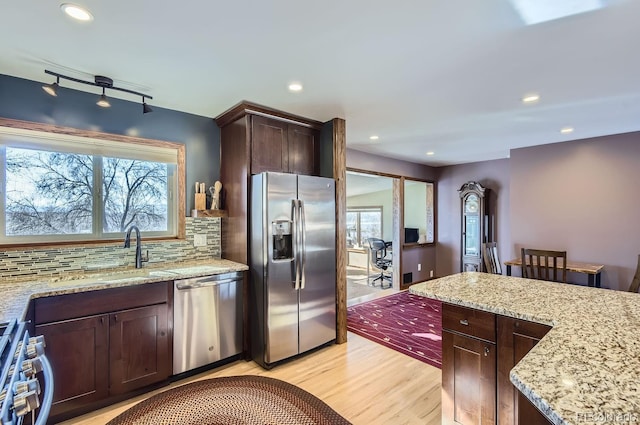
(476, 226)
(254, 139)
(283, 147)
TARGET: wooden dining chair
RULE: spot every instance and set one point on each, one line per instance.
(544, 264)
(491, 260)
(635, 283)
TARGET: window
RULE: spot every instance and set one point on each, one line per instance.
(363, 223)
(62, 187)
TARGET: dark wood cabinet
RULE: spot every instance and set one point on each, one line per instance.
(137, 348)
(269, 147)
(103, 344)
(303, 145)
(479, 349)
(468, 380)
(468, 366)
(515, 339)
(78, 350)
(283, 147)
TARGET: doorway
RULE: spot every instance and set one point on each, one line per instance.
(369, 215)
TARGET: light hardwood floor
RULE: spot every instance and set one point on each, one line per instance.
(363, 381)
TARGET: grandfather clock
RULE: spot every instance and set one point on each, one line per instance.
(476, 226)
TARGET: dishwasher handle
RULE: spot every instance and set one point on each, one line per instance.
(204, 282)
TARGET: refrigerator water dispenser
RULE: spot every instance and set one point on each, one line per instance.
(282, 241)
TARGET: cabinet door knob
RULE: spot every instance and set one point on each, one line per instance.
(486, 351)
(464, 322)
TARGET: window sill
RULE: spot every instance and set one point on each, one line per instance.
(71, 244)
(361, 250)
(417, 244)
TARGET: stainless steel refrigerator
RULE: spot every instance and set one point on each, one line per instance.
(293, 265)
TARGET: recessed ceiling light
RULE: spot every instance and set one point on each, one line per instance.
(374, 137)
(431, 153)
(76, 12)
(566, 130)
(530, 98)
(295, 87)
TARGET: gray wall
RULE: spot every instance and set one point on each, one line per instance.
(491, 174)
(580, 197)
(25, 100)
(366, 161)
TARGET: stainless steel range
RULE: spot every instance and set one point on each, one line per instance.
(26, 390)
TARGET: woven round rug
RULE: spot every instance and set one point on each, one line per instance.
(234, 400)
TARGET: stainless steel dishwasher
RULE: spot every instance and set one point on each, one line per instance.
(207, 320)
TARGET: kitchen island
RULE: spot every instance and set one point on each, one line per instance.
(587, 368)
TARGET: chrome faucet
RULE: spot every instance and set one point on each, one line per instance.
(127, 243)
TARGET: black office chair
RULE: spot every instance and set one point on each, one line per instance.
(378, 253)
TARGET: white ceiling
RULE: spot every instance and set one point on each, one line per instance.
(425, 75)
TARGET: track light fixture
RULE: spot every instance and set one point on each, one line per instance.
(103, 102)
(99, 81)
(145, 108)
(52, 89)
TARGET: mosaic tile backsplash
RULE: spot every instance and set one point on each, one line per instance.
(49, 262)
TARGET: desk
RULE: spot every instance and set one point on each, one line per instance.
(591, 270)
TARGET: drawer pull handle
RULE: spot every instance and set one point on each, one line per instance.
(464, 322)
(486, 351)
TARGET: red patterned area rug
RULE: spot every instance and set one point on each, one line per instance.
(407, 323)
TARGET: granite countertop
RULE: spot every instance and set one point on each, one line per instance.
(16, 294)
(586, 370)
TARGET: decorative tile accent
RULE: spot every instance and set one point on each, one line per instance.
(46, 262)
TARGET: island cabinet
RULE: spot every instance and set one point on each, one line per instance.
(479, 349)
(515, 339)
(105, 344)
(468, 366)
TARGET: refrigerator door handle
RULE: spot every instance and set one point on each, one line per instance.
(296, 243)
(303, 247)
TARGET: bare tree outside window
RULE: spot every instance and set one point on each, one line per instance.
(134, 192)
(50, 193)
